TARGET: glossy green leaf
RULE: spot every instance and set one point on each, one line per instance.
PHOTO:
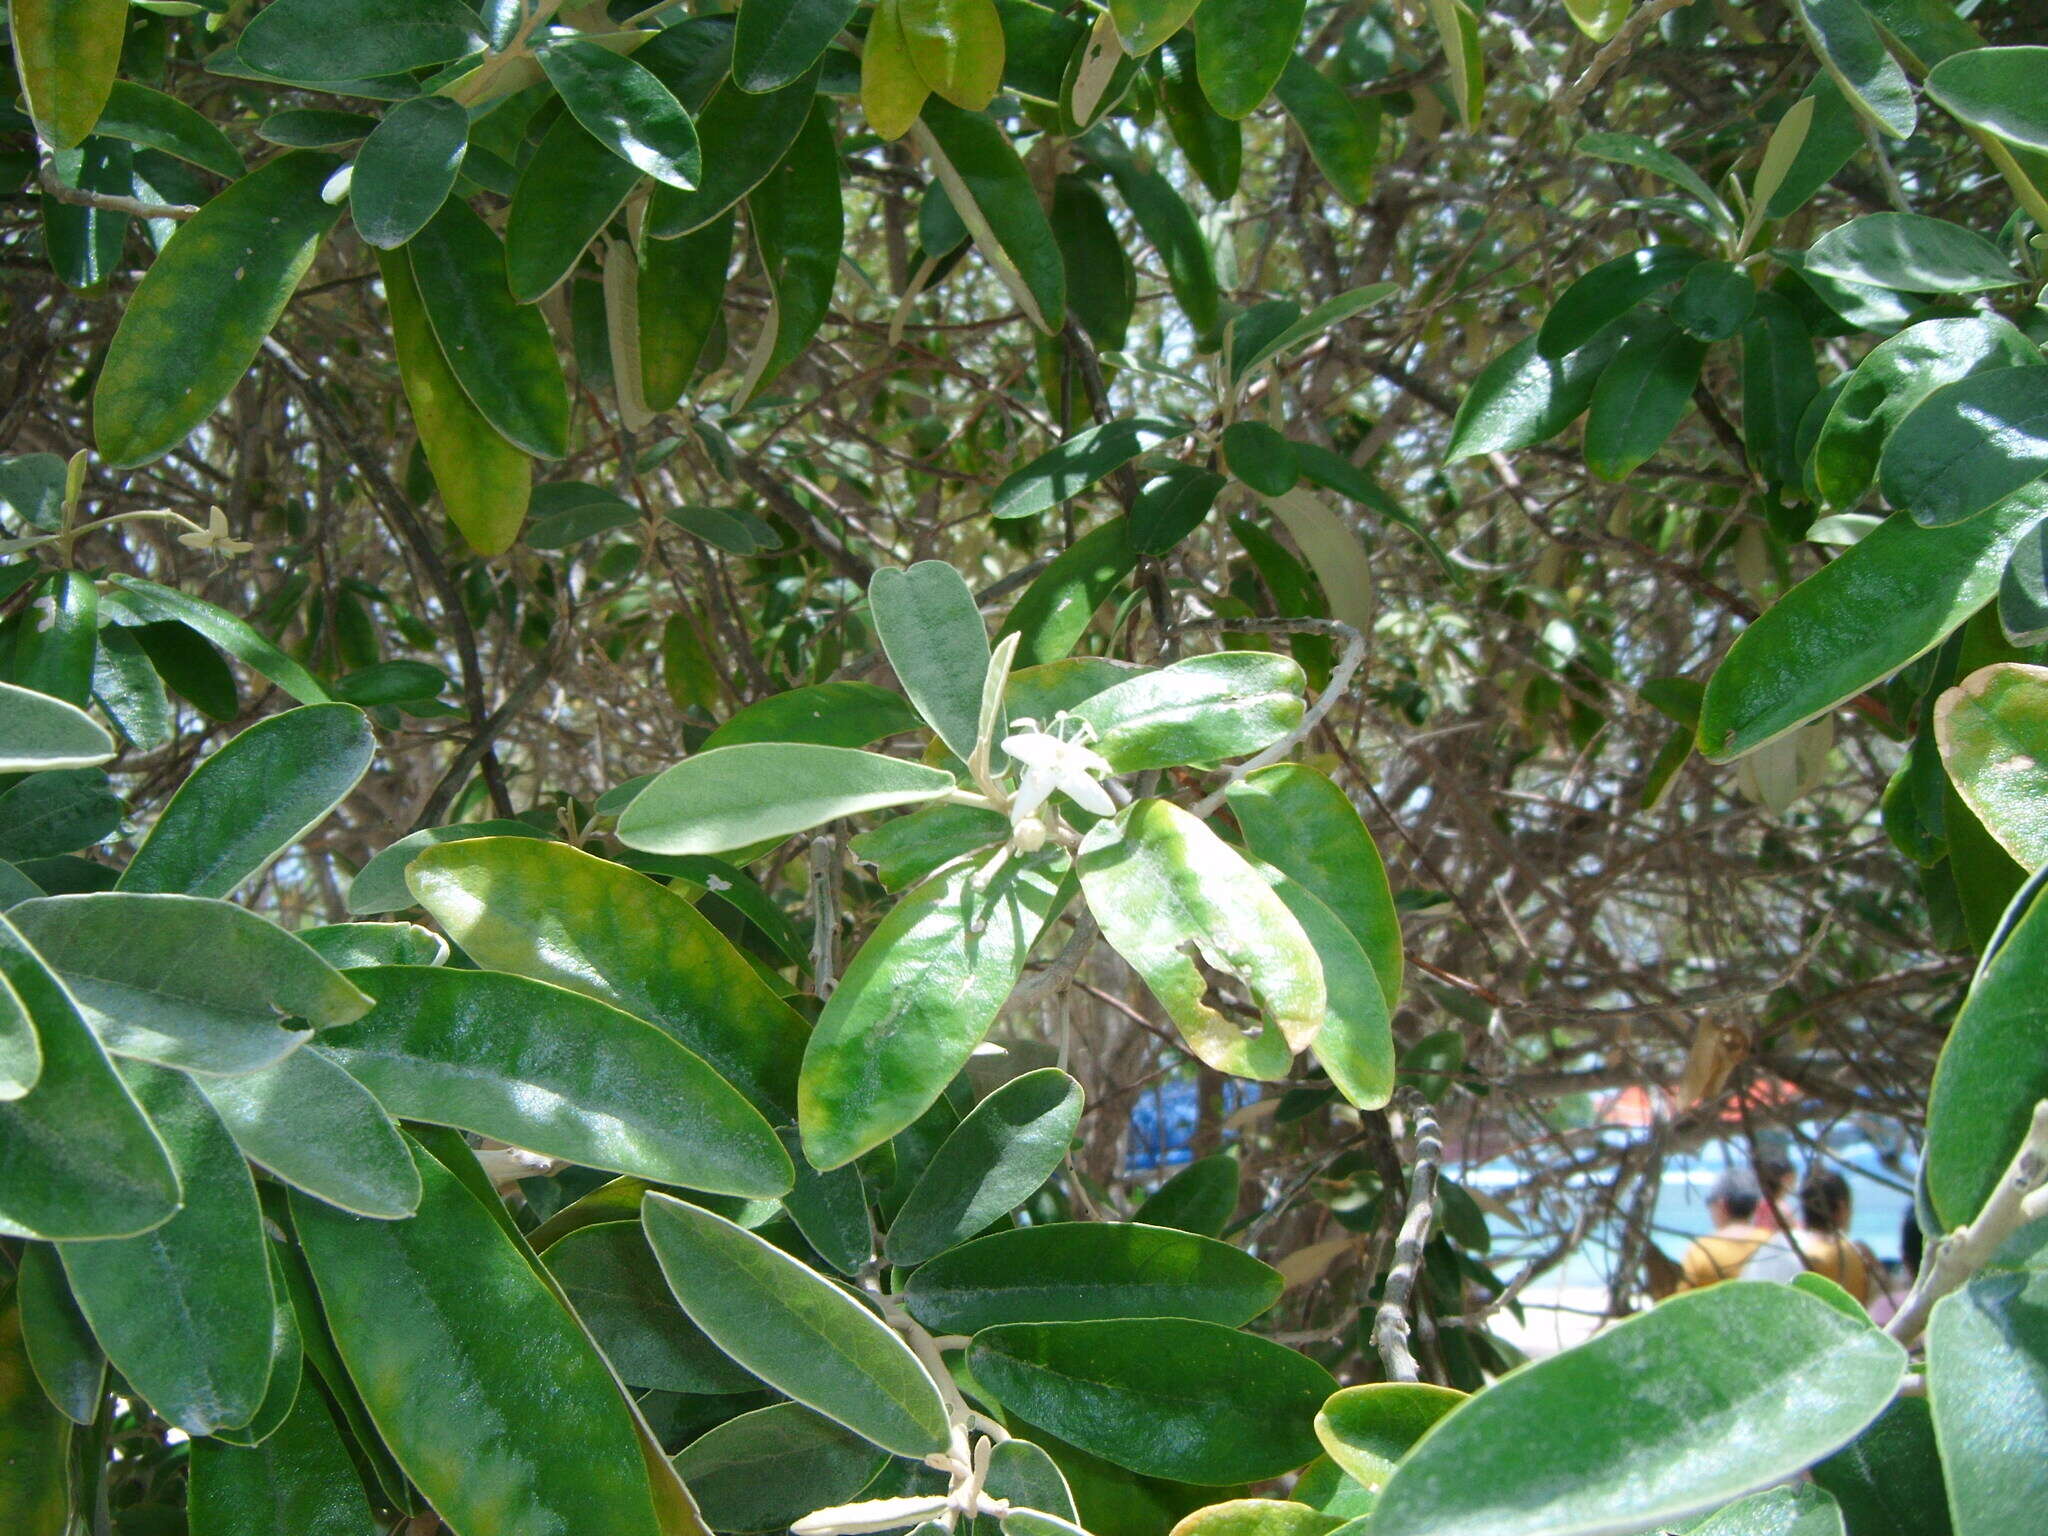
(956, 47)
(312, 1125)
(1599, 19)
(1634, 150)
(568, 192)
(287, 1363)
(627, 109)
(1241, 47)
(150, 118)
(1355, 1044)
(499, 350)
(1641, 396)
(2023, 590)
(1892, 596)
(67, 53)
(1299, 821)
(1714, 301)
(1789, 1511)
(1522, 398)
(1996, 89)
(777, 42)
(38, 732)
(824, 714)
(1608, 292)
(1169, 226)
(1059, 605)
(53, 654)
(84, 243)
(932, 631)
(1888, 1480)
(892, 92)
(1069, 468)
(1166, 1397)
(78, 1158)
(735, 797)
(184, 1311)
(1368, 1429)
(67, 1360)
(795, 1330)
(1911, 252)
(558, 1073)
(1181, 906)
(1993, 731)
(314, 128)
(186, 981)
(21, 1052)
(380, 887)
(560, 915)
(1145, 24)
(1202, 710)
(612, 1281)
(420, 1312)
(1987, 1382)
(1853, 51)
(992, 192)
(1341, 131)
(743, 137)
(199, 315)
(152, 602)
(253, 799)
(906, 849)
(798, 224)
(406, 169)
(1968, 446)
(1102, 283)
(915, 1001)
(997, 1158)
(830, 1210)
(57, 812)
(1554, 1448)
(1083, 1271)
(1248, 353)
(1172, 506)
(1201, 1198)
(1213, 145)
(343, 40)
(348, 945)
(765, 1470)
(682, 295)
(1779, 383)
(35, 1494)
(299, 1479)
(1260, 457)
(1893, 378)
(1257, 1517)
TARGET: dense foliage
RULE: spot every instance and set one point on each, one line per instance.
(658, 663)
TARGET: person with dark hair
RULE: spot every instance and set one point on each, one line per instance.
(1722, 1253)
(1774, 1180)
(1821, 1242)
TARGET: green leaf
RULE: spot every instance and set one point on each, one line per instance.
(253, 799)
(1241, 46)
(1028, 1479)
(499, 350)
(342, 40)
(907, 849)
(824, 714)
(892, 92)
(557, 914)
(992, 193)
(1080, 1271)
(55, 812)
(1355, 1044)
(558, 1073)
(1257, 1517)
(1599, 19)
(1556, 1448)
(1522, 398)
(78, 1158)
(184, 1311)
(1887, 599)
(1342, 132)
(1987, 1381)
(1714, 301)
(1792, 1511)
(39, 732)
(199, 315)
(1834, 133)
(1173, 506)
(1180, 905)
(1888, 1480)
(1248, 354)
(1631, 149)
(316, 1128)
(54, 651)
(67, 1360)
(21, 1052)
(1069, 468)
(1607, 293)
(35, 1441)
(186, 981)
(932, 631)
(743, 137)
(1102, 283)
(777, 42)
(346, 946)
(1212, 145)
(799, 230)
(1299, 821)
(735, 797)
(627, 109)
(143, 116)
(568, 192)
(1854, 53)
(67, 53)
(1202, 710)
(1060, 604)
(1367, 1430)
(2023, 590)
(287, 1363)
(682, 296)
(298, 1479)
(406, 169)
(1260, 457)
(315, 128)
(609, 1275)
(1641, 396)
(421, 1312)
(915, 1001)
(1893, 378)
(1779, 382)
(1911, 252)
(995, 1160)
(956, 47)
(765, 1470)
(1169, 226)
(151, 602)
(795, 1330)
(1145, 24)
(1993, 730)
(380, 885)
(1201, 1198)
(1165, 1397)
(1969, 445)
(1996, 89)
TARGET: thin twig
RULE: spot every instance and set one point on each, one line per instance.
(1340, 684)
(108, 202)
(824, 913)
(1390, 1328)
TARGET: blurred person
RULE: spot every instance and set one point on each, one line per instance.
(1774, 1181)
(1722, 1253)
(1820, 1242)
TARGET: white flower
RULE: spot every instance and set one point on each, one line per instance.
(1050, 763)
(214, 536)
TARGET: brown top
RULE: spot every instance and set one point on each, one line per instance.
(1839, 1260)
(1720, 1255)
